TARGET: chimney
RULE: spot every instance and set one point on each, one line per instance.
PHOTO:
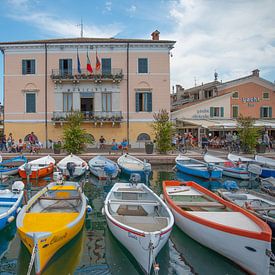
(256, 72)
(155, 35)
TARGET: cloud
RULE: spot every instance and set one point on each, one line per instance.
(108, 6)
(232, 37)
(132, 9)
(48, 23)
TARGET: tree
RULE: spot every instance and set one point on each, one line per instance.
(163, 131)
(75, 137)
(248, 133)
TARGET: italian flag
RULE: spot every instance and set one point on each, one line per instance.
(89, 66)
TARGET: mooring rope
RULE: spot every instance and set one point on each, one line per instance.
(32, 259)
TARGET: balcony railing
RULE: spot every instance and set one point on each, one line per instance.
(96, 117)
(98, 76)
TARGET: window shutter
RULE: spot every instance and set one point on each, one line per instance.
(61, 71)
(70, 66)
(211, 111)
(32, 66)
(137, 102)
(270, 112)
(222, 111)
(30, 103)
(261, 112)
(24, 66)
(149, 102)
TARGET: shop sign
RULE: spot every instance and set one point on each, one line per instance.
(250, 99)
(201, 113)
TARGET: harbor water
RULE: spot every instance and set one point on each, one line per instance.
(95, 250)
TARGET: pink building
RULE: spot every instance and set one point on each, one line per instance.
(44, 80)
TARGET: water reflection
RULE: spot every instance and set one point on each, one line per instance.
(96, 251)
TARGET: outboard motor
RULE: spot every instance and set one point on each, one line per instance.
(135, 178)
(28, 168)
(71, 168)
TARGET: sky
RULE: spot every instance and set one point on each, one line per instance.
(231, 37)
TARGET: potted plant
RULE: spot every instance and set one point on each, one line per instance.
(57, 147)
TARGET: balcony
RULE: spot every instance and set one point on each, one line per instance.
(97, 118)
(114, 75)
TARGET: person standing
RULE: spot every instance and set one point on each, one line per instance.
(9, 142)
(266, 140)
(102, 141)
(4, 143)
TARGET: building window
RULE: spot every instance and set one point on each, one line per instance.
(143, 66)
(30, 102)
(65, 66)
(235, 94)
(143, 137)
(235, 111)
(106, 102)
(28, 66)
(143, 102)
(216, 111)
(106, 66)
(67, 102)
(266, 112)
(265, 95)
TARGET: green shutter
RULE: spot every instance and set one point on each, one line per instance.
(149, 102)
(24, 66)
(30, 103)
(211, 111)
(70, 66)
(270, 112)
(32, 66)
(222, 111)
(261, 112)
(137, 102)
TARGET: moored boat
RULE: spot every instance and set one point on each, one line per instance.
(140, 220)
(10, 203)
(129, 165)
(72, 166)
(268, 166)
(220, 225)
(38, 168)
(103, 167)
(268, 185)
(52, 218)
(10, 166)
(197, 168)
(263, 206)
(266, 171)
(228, 167)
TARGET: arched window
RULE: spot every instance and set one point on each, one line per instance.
(143, 137)
(27, 137)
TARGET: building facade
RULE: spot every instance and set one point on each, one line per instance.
(250, 96)
(125, 83)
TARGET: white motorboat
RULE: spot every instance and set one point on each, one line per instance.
(140, 220)
(72, 166)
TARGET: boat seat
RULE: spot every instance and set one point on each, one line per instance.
(124, 210)
(60, 198)
(134, 202)
(200, 204)
(130, 191)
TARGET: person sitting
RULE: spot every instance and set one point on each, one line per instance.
(114, 145)
(124, 145)
(20, 145)
(102, 141)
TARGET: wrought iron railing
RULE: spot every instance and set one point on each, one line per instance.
(96, 116)
(97, 76)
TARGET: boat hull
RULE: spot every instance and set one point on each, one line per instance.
(268, 172)
(137, 244)
(199, 173)
(39, 173)
(229, 245)
(49, 244)
(234, 173)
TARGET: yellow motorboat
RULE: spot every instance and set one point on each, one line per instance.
(51, 219)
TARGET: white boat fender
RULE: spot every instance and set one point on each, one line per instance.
(11, 219)
(103, 211)
(89, 209)
(18, 210)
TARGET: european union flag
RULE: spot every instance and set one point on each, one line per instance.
(78, 64)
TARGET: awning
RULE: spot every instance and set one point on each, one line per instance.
(219, 125)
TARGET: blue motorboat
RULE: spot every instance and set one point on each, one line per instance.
(197, 168)
(103, 167)
(131, 165)
(10, 166)
(10, 203)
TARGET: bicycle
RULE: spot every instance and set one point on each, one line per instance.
(182, 148)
